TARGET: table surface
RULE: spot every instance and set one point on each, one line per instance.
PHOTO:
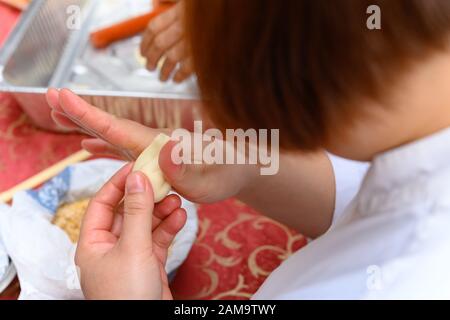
(236, 247)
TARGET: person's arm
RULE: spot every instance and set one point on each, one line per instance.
(301, 195)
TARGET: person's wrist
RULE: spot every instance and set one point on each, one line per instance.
(248, 177)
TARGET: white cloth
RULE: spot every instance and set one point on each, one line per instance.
(4, 259)
(348, 177)
(392, 241)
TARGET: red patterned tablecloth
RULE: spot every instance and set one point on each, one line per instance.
(236, 248)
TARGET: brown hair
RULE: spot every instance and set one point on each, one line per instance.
(299, 65)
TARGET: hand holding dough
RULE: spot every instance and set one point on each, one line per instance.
(148, 164)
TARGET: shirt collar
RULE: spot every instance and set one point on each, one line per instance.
(405, 166)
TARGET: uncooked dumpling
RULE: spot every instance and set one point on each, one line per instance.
(148, 164)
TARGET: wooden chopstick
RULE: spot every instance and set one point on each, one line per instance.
(44, 175)
(17, 4)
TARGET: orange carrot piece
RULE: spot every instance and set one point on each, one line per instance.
(17, 4)
(125, 29)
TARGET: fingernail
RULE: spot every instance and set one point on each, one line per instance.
(135, 183)
(51, 105)
(177, 78)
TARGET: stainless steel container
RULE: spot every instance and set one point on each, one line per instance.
(49, 47)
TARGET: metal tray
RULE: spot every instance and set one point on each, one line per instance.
(43, 50)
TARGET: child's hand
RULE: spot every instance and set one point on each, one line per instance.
(199, 183)
(122, 251)
(164, 38)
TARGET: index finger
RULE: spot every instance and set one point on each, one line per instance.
(155, 26)
(100, 212)
(122, 133)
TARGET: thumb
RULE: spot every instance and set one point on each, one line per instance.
(176, 174)
(138, 210)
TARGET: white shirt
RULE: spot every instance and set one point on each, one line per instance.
(391, 242)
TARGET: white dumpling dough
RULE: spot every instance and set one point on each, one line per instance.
(147, 163)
